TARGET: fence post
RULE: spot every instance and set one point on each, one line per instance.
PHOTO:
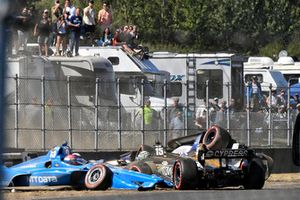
(119, 115)
(207, 105)
(17, 111)
(248, 115)
(288, 116)
(228, 102)
(96, 114)
(143, 113)
(270, 130)
(165, 114)
(69, 110)
(43, 112)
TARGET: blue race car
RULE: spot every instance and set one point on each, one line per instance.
(61, 167)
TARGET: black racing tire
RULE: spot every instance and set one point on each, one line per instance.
(185, 174)
(140, 166)
(99, 177)
(216, 138)
(255, 176)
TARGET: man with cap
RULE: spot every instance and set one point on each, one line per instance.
(255, 94)
(42, 29)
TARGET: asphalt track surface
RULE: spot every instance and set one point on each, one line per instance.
(274, 191)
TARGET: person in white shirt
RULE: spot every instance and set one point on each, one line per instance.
(89, 18)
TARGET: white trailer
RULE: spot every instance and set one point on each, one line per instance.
(267, 72)
(289, 68)
(131, 70)
(191, 72)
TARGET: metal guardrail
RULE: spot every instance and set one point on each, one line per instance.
(54, 114)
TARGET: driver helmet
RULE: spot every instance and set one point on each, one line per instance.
(142, 155)
(74, 159)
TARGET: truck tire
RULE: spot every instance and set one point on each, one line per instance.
(141, 167)
(99, 177)
(216, 138)
(185, 174)
(255, 177)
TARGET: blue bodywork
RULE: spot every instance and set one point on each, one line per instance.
(51, 170)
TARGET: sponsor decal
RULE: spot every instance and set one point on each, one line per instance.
(165, 170)
(176, 77)
(28, 166)
(227, 153)
(43, 179)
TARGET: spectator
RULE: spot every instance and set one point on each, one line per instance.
(105, 17)
(69, 9)
(272, 100)
(200, 121)
(89, 18)
(255, 94)
(116, 41)
(23, 23)
(149, 114)
(61, 35)
(56, 12)
(221, 114)
(106, 38)
(177, 107)
(42, 29)
(201, 115)
(281, 99)
(176, 126)
(214, 108)
(296, 98)
(75, 27)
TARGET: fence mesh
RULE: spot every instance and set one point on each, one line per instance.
(46, 112)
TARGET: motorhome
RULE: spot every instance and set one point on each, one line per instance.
(289, 68)
(285, 64)
(267, 78)
(136, 76)
(191, 72)
(266, 72)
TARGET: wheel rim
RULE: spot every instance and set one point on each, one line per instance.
(177, 175)
(210, 137)
(95, 175)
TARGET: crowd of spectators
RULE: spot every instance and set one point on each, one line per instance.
(261, 105)
(66, 26)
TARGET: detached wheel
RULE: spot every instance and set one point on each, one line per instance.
(185, 174)
(255, 177)
(98, 178)
(141, 167)
(216, 138)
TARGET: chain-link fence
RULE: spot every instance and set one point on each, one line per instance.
(42, 113)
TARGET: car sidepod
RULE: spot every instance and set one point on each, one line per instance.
(132, 180)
